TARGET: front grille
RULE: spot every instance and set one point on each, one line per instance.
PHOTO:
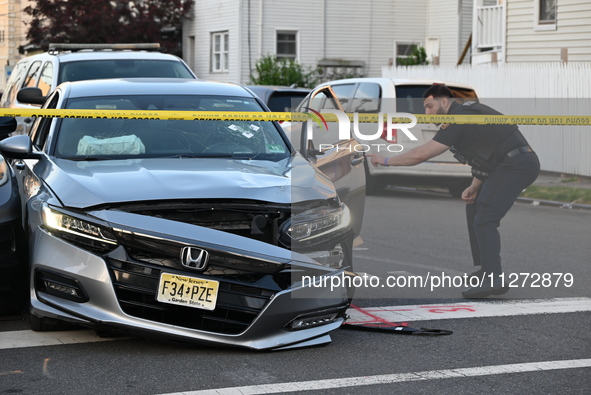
(221, 263)
(247, 218)
(136, 285)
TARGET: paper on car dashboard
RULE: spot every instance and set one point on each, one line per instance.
(122, 145)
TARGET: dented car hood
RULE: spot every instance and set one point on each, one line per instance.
(81, 184)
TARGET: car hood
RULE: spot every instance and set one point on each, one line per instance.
(80, 184)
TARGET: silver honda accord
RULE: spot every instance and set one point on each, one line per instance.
(214, 231)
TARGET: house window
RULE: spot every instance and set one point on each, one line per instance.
(287, 45)
(545, 13)
(219, 52)
(404, 52)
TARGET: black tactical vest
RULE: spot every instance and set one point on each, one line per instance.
(484, 146)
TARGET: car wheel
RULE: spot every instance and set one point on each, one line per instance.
(457, 188)
(45, 324)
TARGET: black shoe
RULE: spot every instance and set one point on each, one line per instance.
(486, 289)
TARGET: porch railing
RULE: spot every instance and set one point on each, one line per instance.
(488, 27)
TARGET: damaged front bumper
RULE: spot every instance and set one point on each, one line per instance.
(261, 300)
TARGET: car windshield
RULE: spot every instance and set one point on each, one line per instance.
(101, 139)
(121, 68)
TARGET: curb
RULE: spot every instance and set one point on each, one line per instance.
(534, 202)
(553, 203)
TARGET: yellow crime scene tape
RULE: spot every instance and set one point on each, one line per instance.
(298, 116)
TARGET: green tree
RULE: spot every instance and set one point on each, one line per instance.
(283, 72)
(104, 21)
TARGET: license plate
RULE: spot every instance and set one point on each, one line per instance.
(187, 291)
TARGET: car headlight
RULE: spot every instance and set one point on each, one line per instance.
(78, 231)
(316, 223)
(3, 171)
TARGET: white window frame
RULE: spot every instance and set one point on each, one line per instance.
(222, 53)
(540, 25)
(297, 43)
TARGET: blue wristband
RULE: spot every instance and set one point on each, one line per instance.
(386, 162)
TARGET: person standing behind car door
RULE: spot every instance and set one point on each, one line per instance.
(503, 165)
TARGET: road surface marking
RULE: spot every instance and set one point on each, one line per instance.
(315, 385)
(396, 314)
(468, 309)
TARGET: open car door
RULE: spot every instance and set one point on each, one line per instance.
(341, 160)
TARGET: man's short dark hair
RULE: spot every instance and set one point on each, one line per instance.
(438, 91)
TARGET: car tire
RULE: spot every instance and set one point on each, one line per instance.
(457, 188)
(45, 324)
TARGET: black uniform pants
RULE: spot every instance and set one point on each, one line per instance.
(496, 196)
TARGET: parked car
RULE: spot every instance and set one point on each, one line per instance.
(387, 95)
(280, 98)
(13, 269)
(198, 230)
(76, 62)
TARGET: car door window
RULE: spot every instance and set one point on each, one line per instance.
(42, 125)
(367, 98)
(14, 83)
(32, 74)
(46, 78)
(344, 93)
(324, 100)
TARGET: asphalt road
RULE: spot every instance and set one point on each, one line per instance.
(406, 234)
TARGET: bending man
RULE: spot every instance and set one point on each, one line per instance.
(503, 165)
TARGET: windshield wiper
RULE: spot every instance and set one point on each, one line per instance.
(209, 156)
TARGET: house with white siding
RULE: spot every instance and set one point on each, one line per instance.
(511, 31)
(12, 34)
(223, 39)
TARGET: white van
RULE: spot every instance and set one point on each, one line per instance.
(387, 95)
(75, 62)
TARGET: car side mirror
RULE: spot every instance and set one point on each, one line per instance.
(30, 95)
(311, 151)
(18, 147)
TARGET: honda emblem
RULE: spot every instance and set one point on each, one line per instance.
(194, 258)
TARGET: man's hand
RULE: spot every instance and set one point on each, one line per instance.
(376, 159)
(469, 195)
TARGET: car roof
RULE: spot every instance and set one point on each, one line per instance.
(153, 86)
(401, 81)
